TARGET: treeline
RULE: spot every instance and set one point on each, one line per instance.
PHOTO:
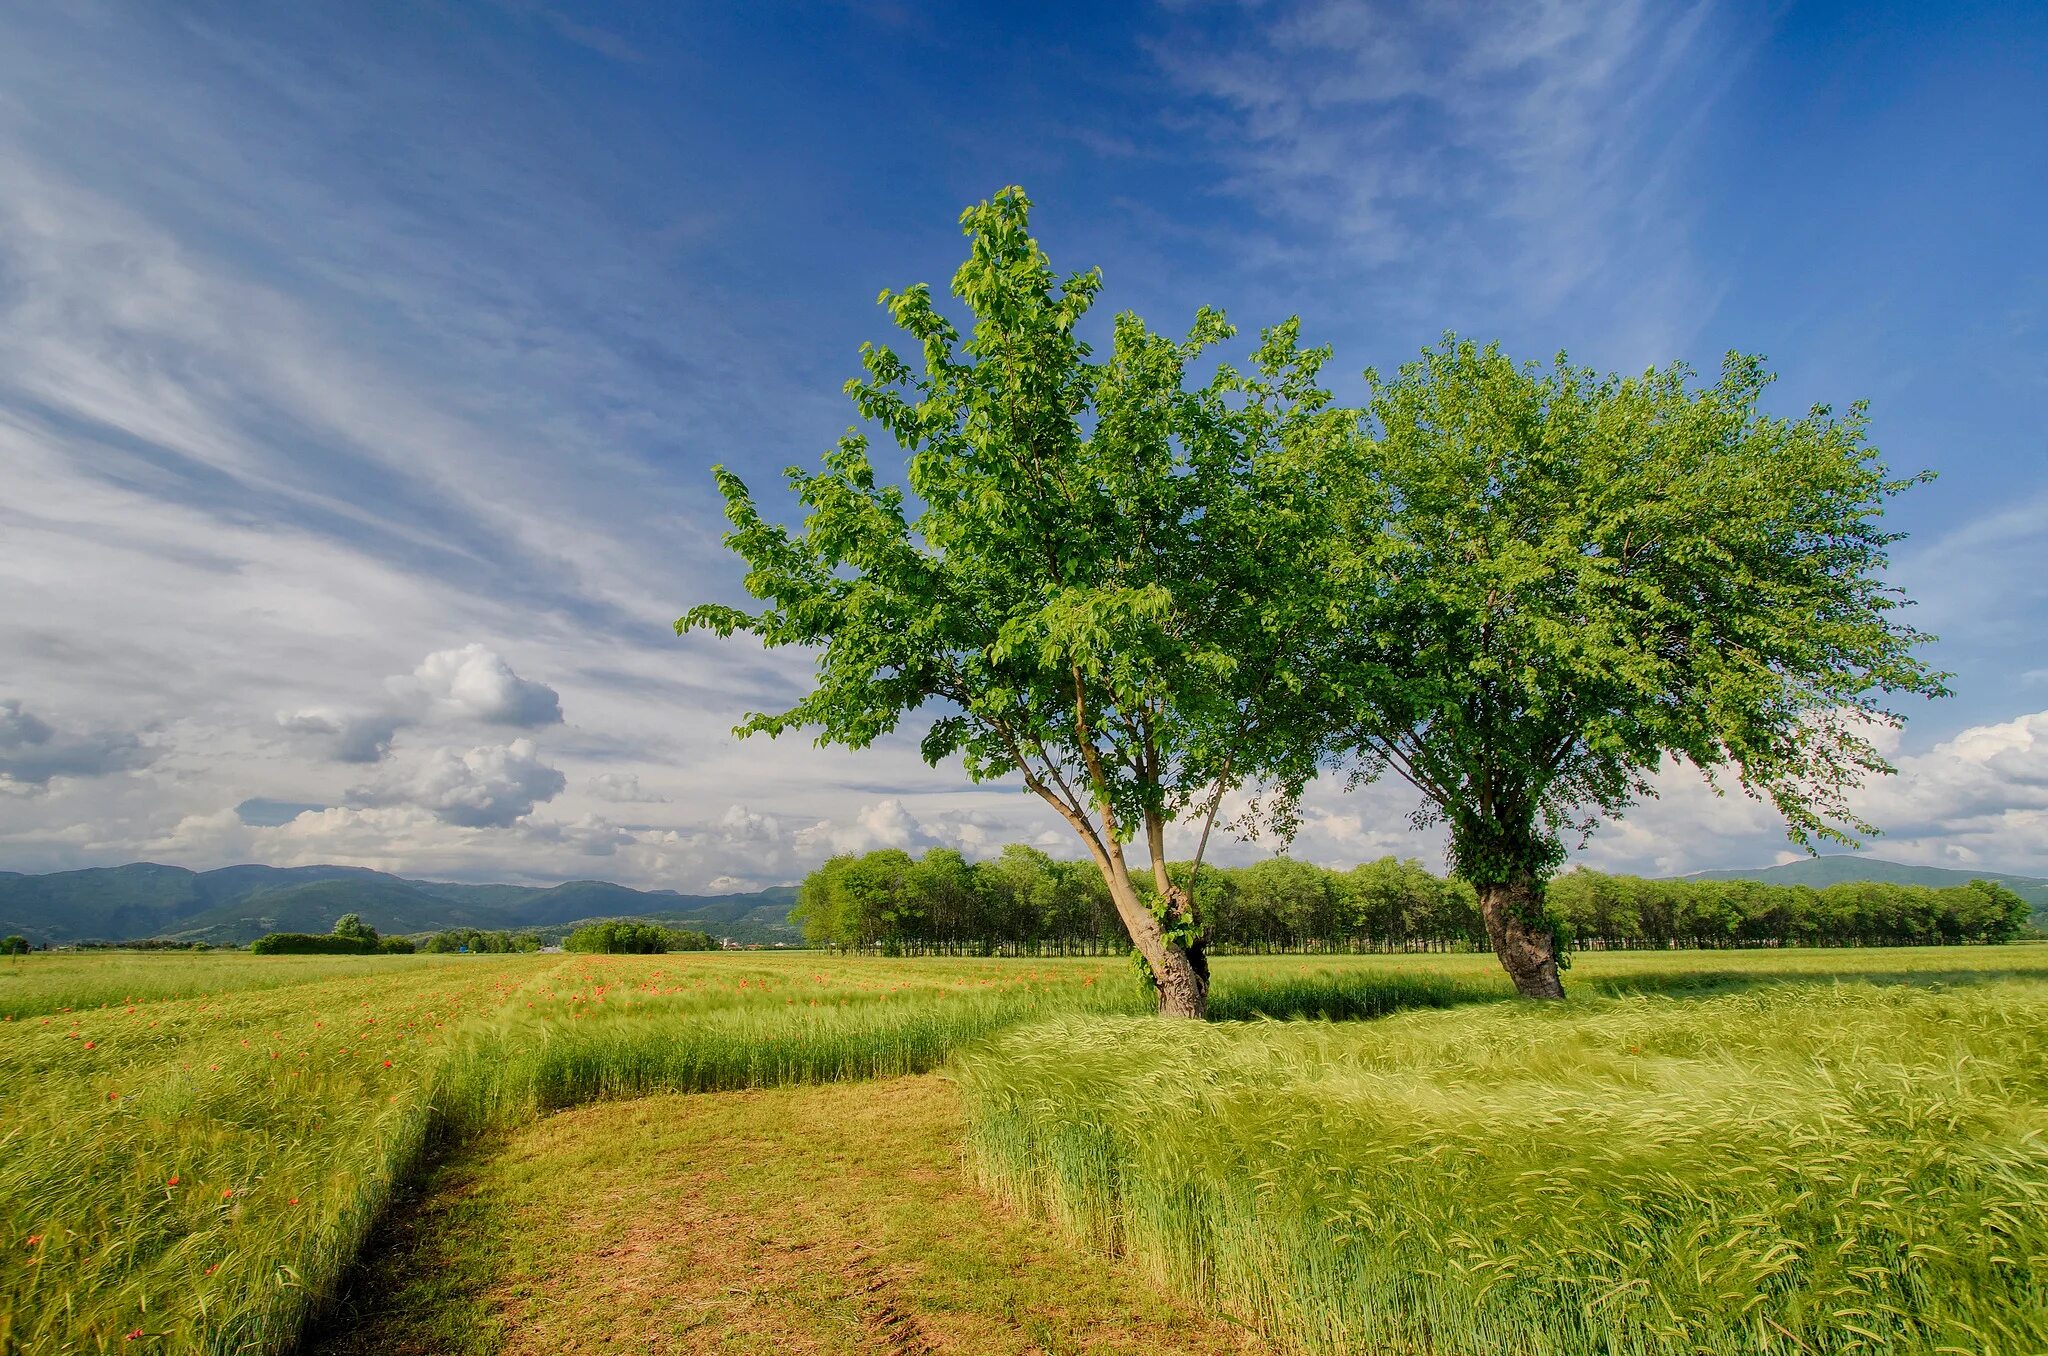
(351, 937)
(625, 937)
(327, 944)
(1024, 901)
(480, 941)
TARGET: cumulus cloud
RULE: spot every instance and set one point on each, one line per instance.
(32, 751)
(486, 787)
(475, 681)
(591, 835)
(741, 825)
(625, 788)
(345, 736)
(884, 824)
(1976, 800)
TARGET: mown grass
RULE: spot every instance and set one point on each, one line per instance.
(1769, 1164)
(811, 1219)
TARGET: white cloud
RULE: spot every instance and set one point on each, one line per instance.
(741, 825)
(1978, 799)
(883, 824)
(623, 787)
(472, 683)
(32, 752)
(590, 835)
(476, 682)
(486, 787)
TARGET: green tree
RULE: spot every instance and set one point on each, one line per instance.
(1102, 585)
(626, 937)
(13, 944)
(352, 926)
(1551, 580)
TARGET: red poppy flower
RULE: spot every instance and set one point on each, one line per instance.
(173, 1181)
(226, 1192)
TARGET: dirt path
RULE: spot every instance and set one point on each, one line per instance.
(812, 1220)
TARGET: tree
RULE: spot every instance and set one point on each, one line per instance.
(1550, 581)
(13, 944)
(621, 936)
(1101, 589)
(352, 926)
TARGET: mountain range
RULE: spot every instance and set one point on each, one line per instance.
(241, 903)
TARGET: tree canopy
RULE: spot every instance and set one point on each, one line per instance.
(1139, 590)
(630, 937)
(1551, 581)
(1095, 581)
(1026, 902)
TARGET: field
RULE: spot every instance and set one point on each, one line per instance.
(1733, 1151)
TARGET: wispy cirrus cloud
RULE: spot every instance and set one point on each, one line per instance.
(1484, 164)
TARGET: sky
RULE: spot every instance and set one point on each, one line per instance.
(362, 368)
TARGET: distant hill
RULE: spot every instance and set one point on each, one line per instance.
(241, 903)
(1841, 867)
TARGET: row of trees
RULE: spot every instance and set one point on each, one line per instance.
(351, 937)
(480, 941)
(1024, 900)
(625, 937)
(1149, 591)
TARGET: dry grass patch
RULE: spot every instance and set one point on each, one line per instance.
(818, 1220)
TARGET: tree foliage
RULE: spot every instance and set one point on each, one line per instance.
(1027, 902)
(479, 941)
(1550, 581)
(352, 926)
(1139, 590)
(622, 936)
(1094, 580)
(311, 944)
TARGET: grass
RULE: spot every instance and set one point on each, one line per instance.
(76, 980)
(198, 1174)
(1771, 1163)
(823, 1219)
(199, 1170)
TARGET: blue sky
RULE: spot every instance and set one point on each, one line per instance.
(361, 368)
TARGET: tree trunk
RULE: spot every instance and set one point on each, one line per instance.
(1183, 982)
(1513, 910)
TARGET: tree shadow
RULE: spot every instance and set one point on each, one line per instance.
(1333, 996)
(1707, 983)
(1336, 996)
